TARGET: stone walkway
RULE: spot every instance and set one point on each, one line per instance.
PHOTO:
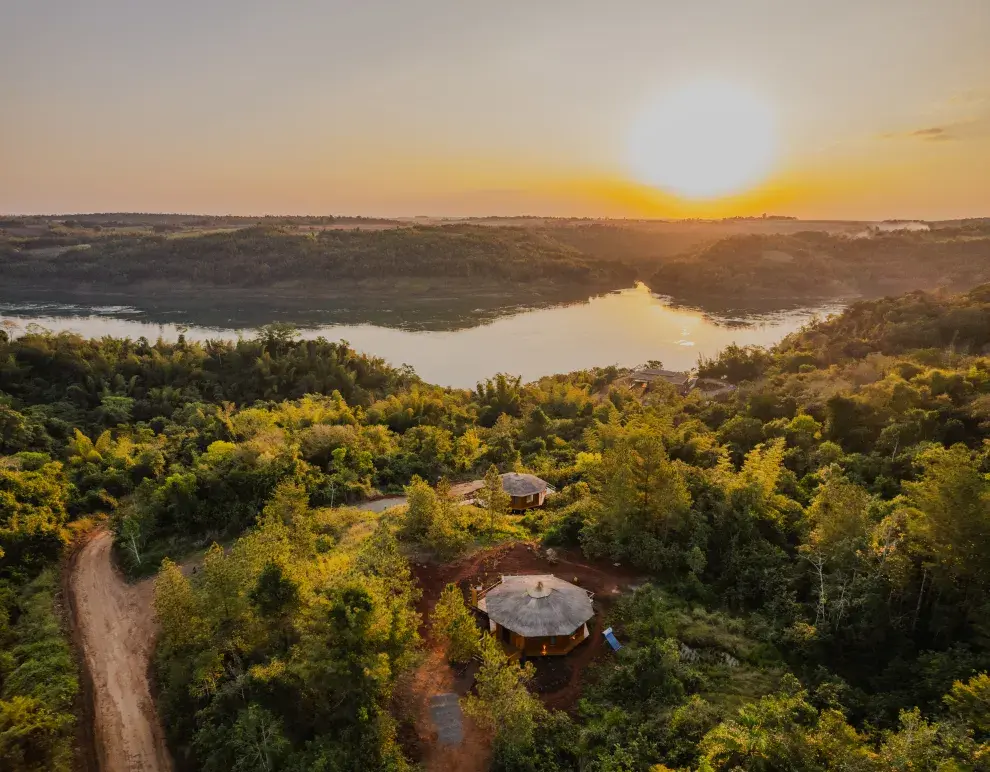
(445, 710)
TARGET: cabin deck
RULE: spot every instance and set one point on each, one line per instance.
(516, 646)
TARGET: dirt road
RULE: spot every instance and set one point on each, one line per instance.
(114, 625)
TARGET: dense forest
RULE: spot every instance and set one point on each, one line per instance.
(815, 265)
(259, 256)
(813, 546)
(756, 262)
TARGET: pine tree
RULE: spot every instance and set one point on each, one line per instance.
(502, 702)
(493, 498)
(454, 624)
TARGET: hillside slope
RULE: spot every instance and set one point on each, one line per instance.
(814, 265)
(262, 255)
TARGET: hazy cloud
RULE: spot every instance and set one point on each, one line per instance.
(934, 133)
(964, 116)
(928, 134)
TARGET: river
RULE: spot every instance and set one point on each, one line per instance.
(625, 328)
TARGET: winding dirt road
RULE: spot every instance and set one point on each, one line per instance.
(114, 626)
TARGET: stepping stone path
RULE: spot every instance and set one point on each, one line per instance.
(445, 710)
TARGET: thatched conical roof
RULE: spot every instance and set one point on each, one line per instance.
(538, 605)
(517, 484)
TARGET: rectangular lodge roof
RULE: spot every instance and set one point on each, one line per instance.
(650, 374)
(466, 489)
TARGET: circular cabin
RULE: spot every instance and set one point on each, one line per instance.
(537, 615)
(525, 490)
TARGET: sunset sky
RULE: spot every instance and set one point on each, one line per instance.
(881, 108)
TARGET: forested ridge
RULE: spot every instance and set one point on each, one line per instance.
(820, 265)
(261, 255)
(706, 263)
(813, 546)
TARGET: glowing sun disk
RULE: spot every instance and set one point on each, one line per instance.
(703, 140)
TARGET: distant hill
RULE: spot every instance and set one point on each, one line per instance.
(260, 256)
(898, 325)
(469, 266)
(440, 277)
(816, 265)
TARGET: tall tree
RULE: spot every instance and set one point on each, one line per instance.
(454, 624)
(493, 498)
(953, 499)
(502, 703)
(33, 512)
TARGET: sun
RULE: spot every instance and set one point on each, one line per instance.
(704, 140)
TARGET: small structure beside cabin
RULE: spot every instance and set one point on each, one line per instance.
(526, 490)
(707, 388)
(647, 376)
(536, 615)
(466, 491)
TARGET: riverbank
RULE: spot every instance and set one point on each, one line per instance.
(410, 304)
(626, 328)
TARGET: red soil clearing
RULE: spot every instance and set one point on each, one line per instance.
(487, 566)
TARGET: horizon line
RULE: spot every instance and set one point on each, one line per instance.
(455, 218)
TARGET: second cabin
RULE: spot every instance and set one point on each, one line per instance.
(526, 491)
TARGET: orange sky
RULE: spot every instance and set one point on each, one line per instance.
(450, 108)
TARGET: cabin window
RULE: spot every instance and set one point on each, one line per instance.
(553, 640)
(532, 497)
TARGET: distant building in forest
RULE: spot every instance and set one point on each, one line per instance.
(525, 490)
(647, 376)
(685, 383)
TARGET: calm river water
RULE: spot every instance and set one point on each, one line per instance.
(625, 328)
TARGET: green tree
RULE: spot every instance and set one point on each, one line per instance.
(643, 500)
(454, 624)
(919, 745)
(434, 518)
(784, 731)
(30, 736)
(277, 337)
(836, 546)
(15, 431)
(501, 395)
(953, 499)
(248, 740)
(502, 703)
(969, 703)
(33, 513)
(38, 682)
(493, 498)
(501, 442)
(115, 410)
(468, 448)
(275, 595)
(421, 508)
(133, 525)
(176, 607)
